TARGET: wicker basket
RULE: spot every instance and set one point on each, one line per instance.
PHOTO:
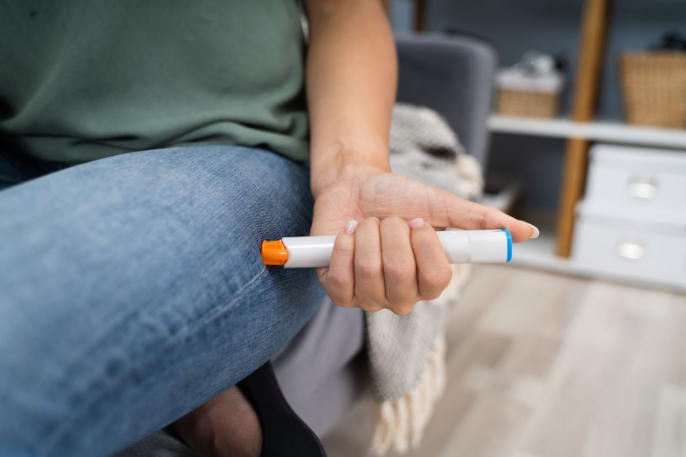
(527, 103)
(654, 88)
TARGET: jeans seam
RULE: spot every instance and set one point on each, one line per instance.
(184, 331)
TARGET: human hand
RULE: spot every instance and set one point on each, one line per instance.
(387, 253)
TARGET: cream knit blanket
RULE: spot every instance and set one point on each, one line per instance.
(407, 353)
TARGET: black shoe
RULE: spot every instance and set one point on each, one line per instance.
(284, 434)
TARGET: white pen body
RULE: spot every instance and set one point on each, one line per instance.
(460, 246)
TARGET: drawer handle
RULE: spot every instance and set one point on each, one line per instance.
(643, 188)
(630, 250)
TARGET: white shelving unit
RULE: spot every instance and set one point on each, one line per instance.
(540, 253)
(606, 131)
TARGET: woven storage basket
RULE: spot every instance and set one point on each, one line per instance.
(527, 103)
(654, 88)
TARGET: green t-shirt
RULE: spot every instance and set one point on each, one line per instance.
(85, 79)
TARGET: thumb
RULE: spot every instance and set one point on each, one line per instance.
(449, 210)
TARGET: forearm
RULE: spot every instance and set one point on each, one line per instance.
(351, 84)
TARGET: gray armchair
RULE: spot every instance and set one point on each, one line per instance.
(452, 75)
(322, 370)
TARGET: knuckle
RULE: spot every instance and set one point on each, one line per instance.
(428, 280)
(445, 275)
(337, 281)
(339, 299)
(343, 246)
(436, 279)
(368, 269)
(401, 271)
(482, 217)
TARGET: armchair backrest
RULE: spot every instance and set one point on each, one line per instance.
(452, 75)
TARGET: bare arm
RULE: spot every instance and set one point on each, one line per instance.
(351, 84)
(387, 253)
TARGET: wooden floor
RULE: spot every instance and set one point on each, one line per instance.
(541, 365)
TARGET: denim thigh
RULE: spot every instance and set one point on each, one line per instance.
(132, 291)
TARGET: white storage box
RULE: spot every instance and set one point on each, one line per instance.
(637, 179)
(632, 221)
(610, 242)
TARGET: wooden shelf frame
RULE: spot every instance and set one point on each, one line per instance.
(587, 82)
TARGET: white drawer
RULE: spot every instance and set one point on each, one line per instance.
(648, 255)
(637, 178)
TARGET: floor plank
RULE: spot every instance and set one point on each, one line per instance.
(544, 365)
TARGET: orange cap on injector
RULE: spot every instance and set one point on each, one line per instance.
(274, 253)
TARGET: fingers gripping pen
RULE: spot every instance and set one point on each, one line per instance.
(460, 246)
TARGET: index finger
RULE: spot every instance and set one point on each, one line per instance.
(449, 210)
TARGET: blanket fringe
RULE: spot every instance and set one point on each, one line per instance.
(401, 423)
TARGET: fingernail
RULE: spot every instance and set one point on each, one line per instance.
(417, 223)
(375, 218)
(534, 230)
(350, 227)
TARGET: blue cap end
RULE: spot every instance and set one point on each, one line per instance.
(509, 244)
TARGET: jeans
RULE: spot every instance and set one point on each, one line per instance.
(132, 291)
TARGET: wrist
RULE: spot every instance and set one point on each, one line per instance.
(344, 165)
